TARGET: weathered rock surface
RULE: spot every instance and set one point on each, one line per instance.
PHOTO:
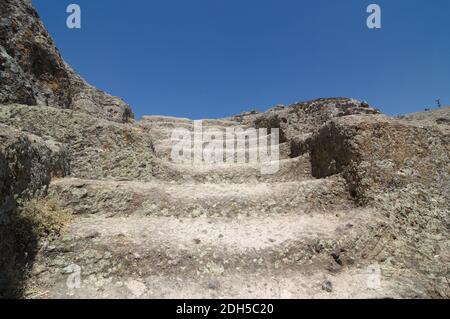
(299, 121)
(32, 71)
(160, 198)
(96, 148)
(378, 154)
(437, 116)
(27, 164)
(146, 227)
(401, 167)
(360, 207)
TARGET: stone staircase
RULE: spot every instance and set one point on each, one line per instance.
(207, 231)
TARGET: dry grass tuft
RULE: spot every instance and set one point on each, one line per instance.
(40, 217)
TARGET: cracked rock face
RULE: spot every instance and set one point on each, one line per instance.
(378, 153)
(27, 164)
(32, 71)
(300, 121)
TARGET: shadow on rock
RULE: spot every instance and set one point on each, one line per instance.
(18, 248)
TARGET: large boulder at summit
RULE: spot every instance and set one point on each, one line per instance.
(32, 71)
(299, 121)
(378, 154)
(375, 153)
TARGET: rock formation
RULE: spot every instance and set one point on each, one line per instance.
(33, 72)
(27, 164)
(359, 208)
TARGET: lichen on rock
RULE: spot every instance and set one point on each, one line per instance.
(32, 71)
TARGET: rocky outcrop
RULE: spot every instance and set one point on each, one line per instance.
(402, 168)
(31, 161)
(379, 154)
(97, 148)
(27, 164)
(32, 71)
(439, 116)
(367, 190)
(354, 189)
(299, 121)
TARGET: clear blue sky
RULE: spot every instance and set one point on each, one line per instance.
(213, 58)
